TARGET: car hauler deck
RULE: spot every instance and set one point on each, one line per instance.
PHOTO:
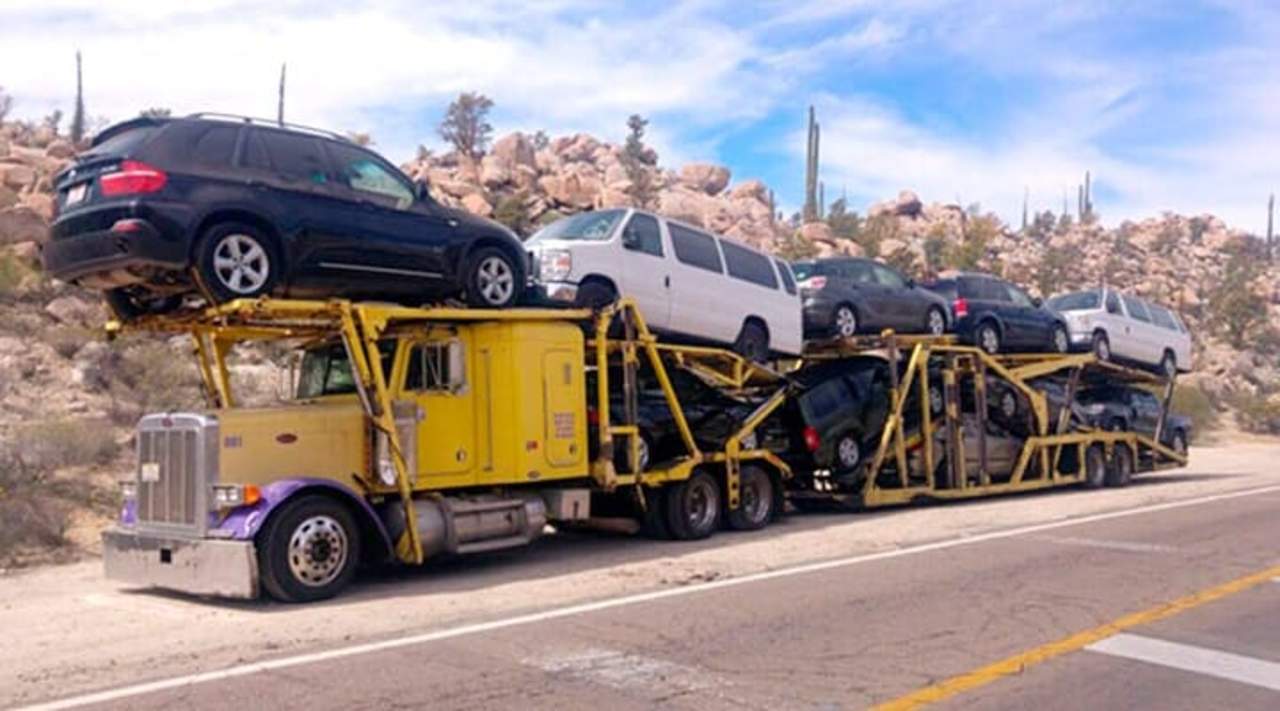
(421, 432)
(960, 455)
(418, 432)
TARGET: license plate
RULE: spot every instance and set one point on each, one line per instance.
(77, 193)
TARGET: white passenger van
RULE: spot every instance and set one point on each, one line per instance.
(1122, 327)
(685, 281)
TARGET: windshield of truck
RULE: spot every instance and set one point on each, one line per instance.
(586, 227)
(1079, 301)
(326, 370)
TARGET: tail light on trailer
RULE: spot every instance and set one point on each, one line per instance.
(811, 439)
(133, 177)
(960, 307)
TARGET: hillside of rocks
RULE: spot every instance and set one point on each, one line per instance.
(69, 398)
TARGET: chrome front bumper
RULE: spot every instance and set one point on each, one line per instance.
(561, 291)
(199, 566)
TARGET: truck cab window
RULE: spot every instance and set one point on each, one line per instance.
(435, 366)
(326, 370)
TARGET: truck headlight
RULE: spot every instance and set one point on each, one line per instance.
(229, 496)
(555, 264)
(385, 466)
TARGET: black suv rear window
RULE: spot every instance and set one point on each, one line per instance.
(194, 143)
(124, 144)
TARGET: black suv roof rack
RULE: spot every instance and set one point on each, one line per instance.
(270, 123)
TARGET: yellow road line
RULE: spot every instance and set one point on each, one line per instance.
(1018, 663)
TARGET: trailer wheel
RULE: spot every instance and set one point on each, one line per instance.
(1179, 442)
(308, 550)
(693, 507)
(757, 503)
(654, 522)
(1095, 467)
(1121, 470)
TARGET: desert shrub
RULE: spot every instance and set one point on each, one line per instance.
(144, 376)
(511, 211)
(1193, 402)
(47, 446)
(1256, 412)
(15, 277)
(66, 340)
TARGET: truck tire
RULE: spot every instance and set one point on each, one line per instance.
(308, 550)
(693, 507)
(1121, 470)
(1095, 467)
(758, 501)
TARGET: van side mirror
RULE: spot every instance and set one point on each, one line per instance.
(1037, 302)
(911, 283)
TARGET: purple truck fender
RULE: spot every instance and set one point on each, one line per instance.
(243, 523)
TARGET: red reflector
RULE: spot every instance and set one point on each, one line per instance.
(593, 416)
(133, 177)
(961, 307)
(815, 283)
(811, 439)
(127, 226)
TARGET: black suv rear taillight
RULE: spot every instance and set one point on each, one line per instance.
(133, 177)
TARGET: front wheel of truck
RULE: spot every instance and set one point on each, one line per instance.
(308, 550)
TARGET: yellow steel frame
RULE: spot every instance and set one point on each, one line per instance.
(360, 326)
(1044, 447)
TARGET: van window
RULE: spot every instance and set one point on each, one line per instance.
(858, 272)
(825, 401)
(984, 289)
(365, 174)
(749, 266)
(1161, 316)
(1137, 310)
(643, 235)
(1079, 301)
(695, 248)
(1113, 303)
(787, 282)
(295, 157)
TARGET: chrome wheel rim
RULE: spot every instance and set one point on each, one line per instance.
(937, 324)
(848, 453)
(318, 551)
(1169, 366)
(1103, 349)
(755, 500)
(495, 280)
(1008, 406)
(241, 264)
(1060, 340)
(1179, 444)
(701, 504)
(990, 339)
(642, 454)
(846, 322)
(935, 400)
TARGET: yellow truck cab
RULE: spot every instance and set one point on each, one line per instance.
(470, 425)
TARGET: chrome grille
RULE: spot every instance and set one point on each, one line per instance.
(177, 461)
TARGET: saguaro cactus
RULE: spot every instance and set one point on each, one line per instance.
(280, 98)
(811, 208)
(1271, 213)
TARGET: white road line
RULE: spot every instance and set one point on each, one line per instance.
(1210, 662)
(151, 687)
(1125, 546)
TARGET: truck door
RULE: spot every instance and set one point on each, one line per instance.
(436, 377)
(646, 270)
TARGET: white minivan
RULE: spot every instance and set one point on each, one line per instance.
(1123, 327)
(685, 281)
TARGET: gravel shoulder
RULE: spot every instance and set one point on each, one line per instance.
(70, 631)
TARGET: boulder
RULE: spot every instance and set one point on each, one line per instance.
(750, 190)
(22, 224)
(60, 148)
(41, 203)
(477, 205)
(74, 311)
(514, 150)
(494, 172)
(706, 177)
(816, 232)
(17, 175)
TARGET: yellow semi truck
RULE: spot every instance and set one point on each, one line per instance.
(417, 433)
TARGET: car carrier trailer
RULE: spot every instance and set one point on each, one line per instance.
(467, 430)
(948, 457)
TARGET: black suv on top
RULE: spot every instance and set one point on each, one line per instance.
(159, 208)
(998, 317)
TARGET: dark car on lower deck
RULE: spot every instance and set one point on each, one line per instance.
(157, 209)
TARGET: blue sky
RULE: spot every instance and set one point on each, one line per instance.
(1172, 106)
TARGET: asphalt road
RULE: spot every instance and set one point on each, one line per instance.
(1064, 616)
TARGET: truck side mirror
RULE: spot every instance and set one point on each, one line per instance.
(421, 190)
